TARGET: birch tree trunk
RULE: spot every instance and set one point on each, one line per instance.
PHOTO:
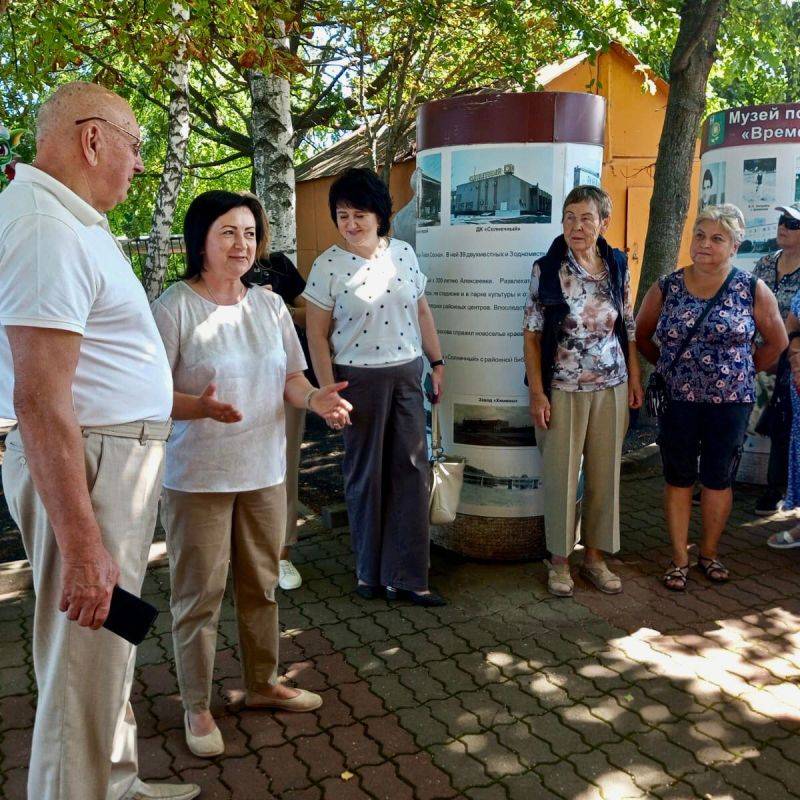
(692, 59)
(158, 245)
(273, 155)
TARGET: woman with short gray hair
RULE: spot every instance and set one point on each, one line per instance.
(697, 325)
(583, 374)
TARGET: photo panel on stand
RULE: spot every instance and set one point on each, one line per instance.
(501, 186)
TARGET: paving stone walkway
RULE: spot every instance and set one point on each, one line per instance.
(505, 693)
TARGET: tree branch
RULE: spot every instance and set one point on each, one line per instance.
(709, 12)
(218, 162)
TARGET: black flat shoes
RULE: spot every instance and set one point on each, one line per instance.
(369, 592)
(430, 599)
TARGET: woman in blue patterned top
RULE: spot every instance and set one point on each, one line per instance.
(711, 387)
(784, 540)
(781, 272)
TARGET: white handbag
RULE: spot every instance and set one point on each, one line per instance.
(447, 477)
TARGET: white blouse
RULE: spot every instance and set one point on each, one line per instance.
(374, 304)
(247, 350)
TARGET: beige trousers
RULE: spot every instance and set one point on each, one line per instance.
(84, 737)
(295, 428)
(206, 531)
(591, 425)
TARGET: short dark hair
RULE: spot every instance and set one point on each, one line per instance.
(707, 176)
(361, 188)
(200, 216)
(586, 193)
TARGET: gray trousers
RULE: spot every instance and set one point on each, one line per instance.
(84, 737)
(386, 474)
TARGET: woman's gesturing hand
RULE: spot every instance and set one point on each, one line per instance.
(212, 408)
(540, 410)
(329, 404)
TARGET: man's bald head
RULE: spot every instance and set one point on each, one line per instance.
(96, 159)
(79, 100)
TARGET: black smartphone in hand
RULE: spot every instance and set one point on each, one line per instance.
(129, 616)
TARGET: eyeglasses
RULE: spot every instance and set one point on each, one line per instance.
(137, 142)
(790, 223)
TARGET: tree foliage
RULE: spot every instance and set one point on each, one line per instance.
(350, 63)
(759, 55)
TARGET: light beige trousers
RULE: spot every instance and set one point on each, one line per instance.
(295, 428)
(84, 737)
(591, 425)
(205, 532)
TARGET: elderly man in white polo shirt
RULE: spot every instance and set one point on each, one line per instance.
(92, 394)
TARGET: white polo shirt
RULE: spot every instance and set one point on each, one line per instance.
(373, 304)
(61, 268)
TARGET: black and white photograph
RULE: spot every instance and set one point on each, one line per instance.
(712, 184)
(797, 179)
(429, 196)
(758, 183)
(501, 186)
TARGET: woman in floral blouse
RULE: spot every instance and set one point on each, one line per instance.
(583, 374)
(711, 388)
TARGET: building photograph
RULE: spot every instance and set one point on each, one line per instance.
(501, 185)
(493, 426)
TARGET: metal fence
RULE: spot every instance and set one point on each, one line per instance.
(136, 250)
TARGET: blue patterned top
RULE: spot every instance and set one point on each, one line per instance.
(793, 489)
(717, 366)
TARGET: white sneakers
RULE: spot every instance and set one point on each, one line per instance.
(288, 576)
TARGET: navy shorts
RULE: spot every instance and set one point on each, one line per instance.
(714, 432)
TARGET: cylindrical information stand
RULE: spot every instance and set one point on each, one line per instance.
(494, 171)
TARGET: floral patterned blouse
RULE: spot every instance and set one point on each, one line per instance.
(717, 366)
(784, 289)
(589, 356)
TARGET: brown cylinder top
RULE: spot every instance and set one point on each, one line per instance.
(506, 117)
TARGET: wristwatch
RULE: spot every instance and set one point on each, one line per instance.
(438, 363)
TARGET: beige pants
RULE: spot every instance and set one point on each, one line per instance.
(84, 737)
(206, 531)
(295, 428)
(592, 425)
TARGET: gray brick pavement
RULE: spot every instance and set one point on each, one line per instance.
(506, 693)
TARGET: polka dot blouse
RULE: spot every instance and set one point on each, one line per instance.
(373, 304)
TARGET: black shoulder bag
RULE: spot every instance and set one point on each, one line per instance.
(656, 396)
(776, 418)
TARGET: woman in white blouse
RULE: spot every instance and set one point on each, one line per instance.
(224, 493)
(368, 323)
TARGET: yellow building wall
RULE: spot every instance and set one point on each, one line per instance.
(633, 128)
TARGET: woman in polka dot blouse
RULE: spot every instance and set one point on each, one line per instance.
(368, 323)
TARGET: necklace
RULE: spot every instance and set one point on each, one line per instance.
(383, 244)
(211, 294)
